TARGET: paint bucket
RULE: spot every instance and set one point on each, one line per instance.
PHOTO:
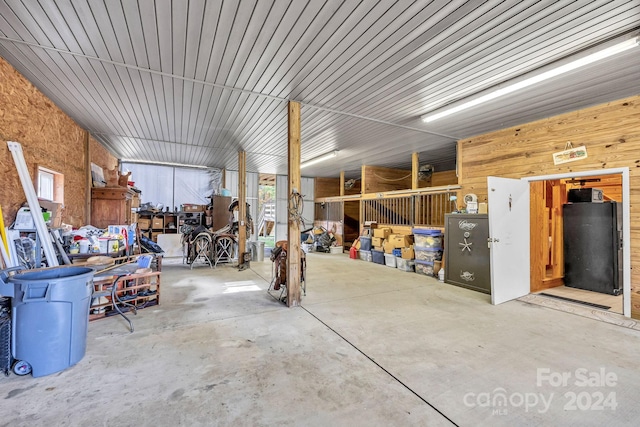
(84, 246)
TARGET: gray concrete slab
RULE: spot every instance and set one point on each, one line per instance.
(371, 345)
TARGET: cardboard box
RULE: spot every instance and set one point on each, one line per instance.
(401, 240)
(193, 208)
(144, 223)
(135, 201)
(377, 242)
(157, 222)
(383, 232)
(55, 209)
(408, 253)
(388, 247)
(154, 235)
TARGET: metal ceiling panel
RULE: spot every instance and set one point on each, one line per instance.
(194, 82)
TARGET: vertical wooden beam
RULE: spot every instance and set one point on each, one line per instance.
(293, 254)
(242, 205)
(88, 180)
(342, 183)
(363, 180)
(539, 243)
(415, 166)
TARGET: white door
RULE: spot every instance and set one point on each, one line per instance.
(509, 237)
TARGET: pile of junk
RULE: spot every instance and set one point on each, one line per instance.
(318, 238)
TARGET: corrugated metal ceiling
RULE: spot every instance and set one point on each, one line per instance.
(193, 82)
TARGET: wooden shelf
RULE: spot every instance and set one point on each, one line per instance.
(127, 286)
(162, 222)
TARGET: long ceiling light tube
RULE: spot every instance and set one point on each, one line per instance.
(570, 66)
(319, 159)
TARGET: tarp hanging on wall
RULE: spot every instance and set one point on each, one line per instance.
(172, 186)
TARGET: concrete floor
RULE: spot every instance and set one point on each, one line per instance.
(370, 346)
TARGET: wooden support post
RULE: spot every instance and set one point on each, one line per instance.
(242, 205)
(342, 183)
(293, 255)
(415, 166)
(363, 180)
(88, 179)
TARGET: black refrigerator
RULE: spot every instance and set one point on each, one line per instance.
(592, 246)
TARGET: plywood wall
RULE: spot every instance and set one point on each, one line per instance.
(611, 133)
(49, 138)
(103, 158)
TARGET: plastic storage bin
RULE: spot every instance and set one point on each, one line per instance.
(50, 318)
(427, 254)
(424, 267)
(405, 264)
(365, 255)
(377, 256)
(427, 238)
(365, 243)
(390, 260)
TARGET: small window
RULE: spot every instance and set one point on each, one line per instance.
(45, 185)
(50, 185)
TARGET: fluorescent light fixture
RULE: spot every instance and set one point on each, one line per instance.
(570, 66)
(319, 159)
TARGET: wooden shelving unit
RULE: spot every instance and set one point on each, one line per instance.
(158, 223)
(139, 290)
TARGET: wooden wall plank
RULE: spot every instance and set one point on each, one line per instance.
(380, 179)
(326, 187)
(539, 241)
(611, 133)
(444, 178)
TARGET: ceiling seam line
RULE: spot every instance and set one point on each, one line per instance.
(250, 92)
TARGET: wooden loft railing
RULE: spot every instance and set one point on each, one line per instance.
(417, 209)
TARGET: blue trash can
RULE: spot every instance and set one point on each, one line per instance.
(50, 318)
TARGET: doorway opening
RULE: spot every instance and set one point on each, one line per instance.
(351, 222)
(578, 253)
(265, 224)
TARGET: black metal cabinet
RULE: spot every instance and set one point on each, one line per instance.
(466, 251)
(592, 247)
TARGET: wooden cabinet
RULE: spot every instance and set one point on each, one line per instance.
(220, 215)
(111, 206)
